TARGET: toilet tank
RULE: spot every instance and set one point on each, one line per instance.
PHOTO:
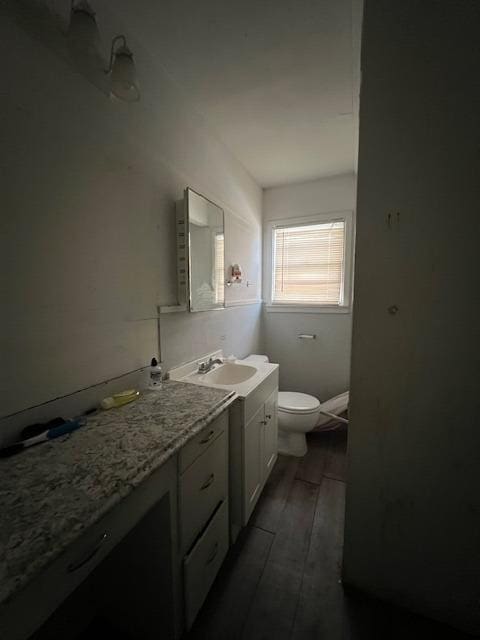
(255, 358)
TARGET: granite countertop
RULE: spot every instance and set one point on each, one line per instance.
(51, 493)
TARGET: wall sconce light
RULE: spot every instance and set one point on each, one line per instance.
(83, 31)
(236, 275)
(122, 72)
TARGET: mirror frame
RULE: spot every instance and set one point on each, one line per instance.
(189, 253)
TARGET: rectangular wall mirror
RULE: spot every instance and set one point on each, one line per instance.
(206, 269)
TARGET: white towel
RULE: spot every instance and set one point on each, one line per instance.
(336, 405)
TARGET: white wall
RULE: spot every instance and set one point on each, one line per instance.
(322, 366)
(413, 510)
(88, 232)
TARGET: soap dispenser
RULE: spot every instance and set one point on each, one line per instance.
(155, 375)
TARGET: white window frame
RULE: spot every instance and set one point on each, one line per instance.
(320, 218)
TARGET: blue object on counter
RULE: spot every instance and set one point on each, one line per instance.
(49, 434)
(36, 429)
(67, 427)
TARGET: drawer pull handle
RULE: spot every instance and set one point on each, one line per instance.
(213, 554)
(208, 438)
(263, 422)
(268, 416)
(78, 565)
(208, 482)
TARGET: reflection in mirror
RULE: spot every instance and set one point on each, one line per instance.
(206, 244)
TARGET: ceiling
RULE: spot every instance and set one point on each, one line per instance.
(277, 80)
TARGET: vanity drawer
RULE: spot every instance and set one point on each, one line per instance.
(193, 449)
(202, 487)
(203, 562)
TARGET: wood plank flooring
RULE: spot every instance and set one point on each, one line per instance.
(275, 602)
(282, 578)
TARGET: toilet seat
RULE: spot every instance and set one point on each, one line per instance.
(300, 403)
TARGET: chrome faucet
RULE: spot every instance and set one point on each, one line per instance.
(205, 367)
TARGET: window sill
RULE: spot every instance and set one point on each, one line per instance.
(297, 308)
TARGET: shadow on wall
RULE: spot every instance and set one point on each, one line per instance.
(102, 178)
(186, 336)
(51, 30)
(320, 367)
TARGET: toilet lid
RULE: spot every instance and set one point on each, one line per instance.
(297, 402)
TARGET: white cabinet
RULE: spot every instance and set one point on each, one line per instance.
(198, 444)
(202, 487)
(253, 462)
(149, 563)
(260, 452)
(253, 449)
(203, 562)
(270, 439)
(130, 530)
(203, 512)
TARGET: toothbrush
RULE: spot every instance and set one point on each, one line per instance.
(50, 434)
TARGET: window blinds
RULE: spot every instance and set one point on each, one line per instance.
(219, 262)
(309, 264)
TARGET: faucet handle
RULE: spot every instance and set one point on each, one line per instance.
(203, 366)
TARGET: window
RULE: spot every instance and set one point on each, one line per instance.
(311, 263)
(219, 268)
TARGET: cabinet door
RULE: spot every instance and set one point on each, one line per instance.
(270, 438)
(253, 462)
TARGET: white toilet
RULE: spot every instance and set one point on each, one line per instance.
(298, 413)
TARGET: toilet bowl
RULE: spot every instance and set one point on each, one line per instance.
(298, 414)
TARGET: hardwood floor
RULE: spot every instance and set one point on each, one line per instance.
(282, 578)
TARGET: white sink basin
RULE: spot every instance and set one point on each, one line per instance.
(234, 375)
(229, 374)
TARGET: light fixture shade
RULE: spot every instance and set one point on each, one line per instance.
(83, 34)
(123, 76)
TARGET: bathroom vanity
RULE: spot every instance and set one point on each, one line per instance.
(253, 425)
(129, 519)
(126, 520)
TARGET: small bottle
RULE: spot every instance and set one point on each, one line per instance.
(155, 375)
